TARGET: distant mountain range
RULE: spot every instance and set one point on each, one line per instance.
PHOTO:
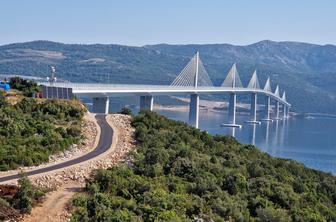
(306, 71)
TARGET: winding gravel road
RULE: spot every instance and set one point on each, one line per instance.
(105, 142)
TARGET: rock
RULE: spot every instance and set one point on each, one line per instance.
(126, 142)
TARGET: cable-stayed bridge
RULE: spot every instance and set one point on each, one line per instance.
(193, 80)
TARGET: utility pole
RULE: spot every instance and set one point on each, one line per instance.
(53, 78)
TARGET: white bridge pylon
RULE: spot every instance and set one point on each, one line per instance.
(193, 80)
(254, 85)
(254, 82)
(232, 79)
(193, 74)
(267, 86)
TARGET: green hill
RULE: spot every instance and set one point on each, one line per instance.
(33, 129)
(180, 173)
(306, 71)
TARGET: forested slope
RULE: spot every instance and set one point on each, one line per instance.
(305, 71)
(180, 173)
(33, 129)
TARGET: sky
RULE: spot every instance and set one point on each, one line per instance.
(137, 23)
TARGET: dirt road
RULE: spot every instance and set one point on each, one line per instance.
(52, 209)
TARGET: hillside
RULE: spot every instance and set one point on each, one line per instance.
(306, 71)
(33, 129)
(179, 173)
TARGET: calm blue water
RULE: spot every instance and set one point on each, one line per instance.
(309, 141)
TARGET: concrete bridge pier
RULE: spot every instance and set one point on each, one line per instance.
(232, 108)
(146, 102)
(232, 112)
(267, 116)
(285, 111)
(277, 110)
(101, 105)
(253, 111)
(194, 110)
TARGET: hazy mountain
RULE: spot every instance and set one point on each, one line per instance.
(306, 71)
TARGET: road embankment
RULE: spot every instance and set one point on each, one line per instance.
(91, 134)
(70, 180)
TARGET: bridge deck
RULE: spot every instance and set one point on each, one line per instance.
(112, 90)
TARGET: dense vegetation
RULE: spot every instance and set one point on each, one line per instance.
(27, 87)
(180, 173)
(15, 200)
(305, 71)
(32, 130)
(126, 111)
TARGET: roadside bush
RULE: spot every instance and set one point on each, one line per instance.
(126, 111)
(27, 195)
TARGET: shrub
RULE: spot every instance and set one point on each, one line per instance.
(179, 173)
(32, 130)
(126, 111)
(23, 198)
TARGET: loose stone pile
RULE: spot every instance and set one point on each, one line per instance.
(89, 133)
(124, 138)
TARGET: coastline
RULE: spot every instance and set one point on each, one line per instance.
(222, 107)
(209, 105)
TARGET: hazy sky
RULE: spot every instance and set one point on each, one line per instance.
(172, 21)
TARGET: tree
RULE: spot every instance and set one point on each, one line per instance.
(23, 198)
(126, 111)
(28, 87)
(273, 215)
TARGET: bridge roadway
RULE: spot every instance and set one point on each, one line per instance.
(105, 142)
(100, 93)
(94, 90)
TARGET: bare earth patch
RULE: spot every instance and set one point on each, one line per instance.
(70, 180)
(52, 209)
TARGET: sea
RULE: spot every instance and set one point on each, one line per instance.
(311, 141)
